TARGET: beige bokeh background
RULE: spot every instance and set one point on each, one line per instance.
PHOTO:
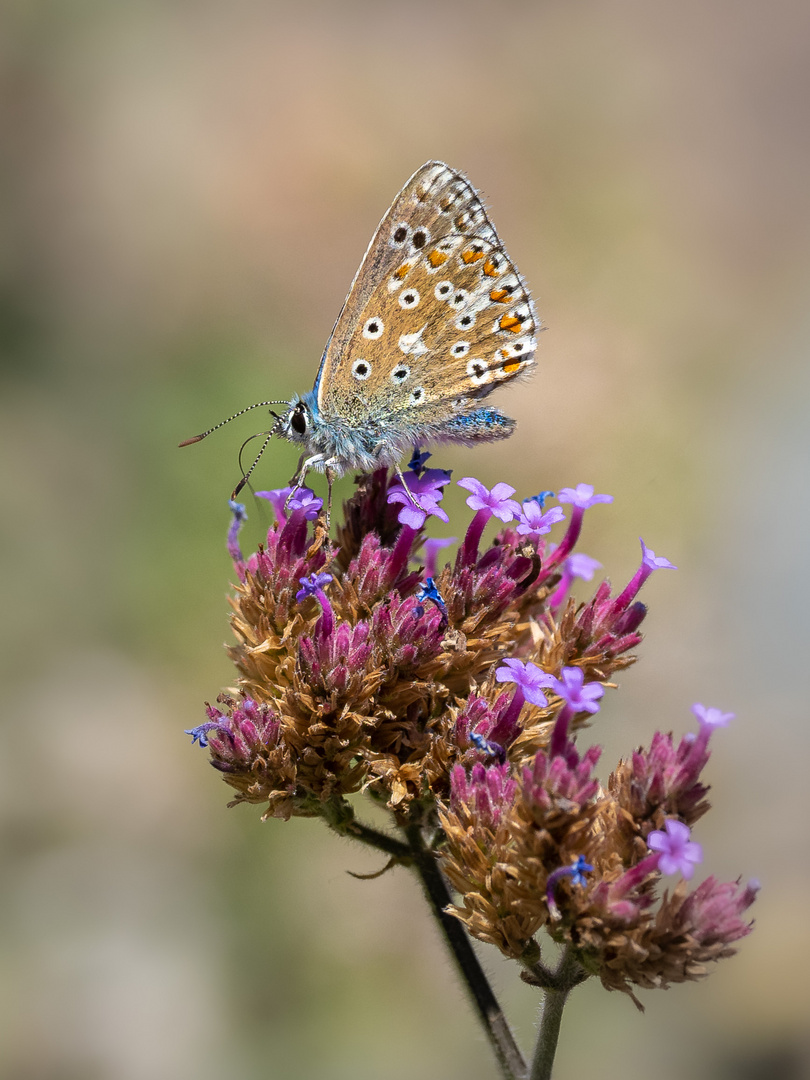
(187, 190)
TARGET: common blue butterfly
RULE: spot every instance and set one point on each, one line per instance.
(436, 317)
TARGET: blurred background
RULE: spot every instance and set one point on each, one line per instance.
(187, 190)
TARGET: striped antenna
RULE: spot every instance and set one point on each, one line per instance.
(246, 476)
(205, 434)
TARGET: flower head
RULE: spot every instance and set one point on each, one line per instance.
(582, 566)
(711, 718)
(496, 501)
(312, 585)
(528, 677)
(582, 496)
(652, 561)
(277, 497)
(578, 697)
(677, 853)
(534, 522)
(307, 502)
(420, 495)
(199, 734)
(363, 668)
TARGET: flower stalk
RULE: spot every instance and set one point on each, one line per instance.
(491, 1015)
(559, 986)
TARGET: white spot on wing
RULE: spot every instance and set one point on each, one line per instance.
(478, 370)
(373, 328)
(400, 374)
(412, 344)
(361, 369)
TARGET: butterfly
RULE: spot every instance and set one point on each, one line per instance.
(437, 316)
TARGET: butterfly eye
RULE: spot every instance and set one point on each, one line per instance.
(298, 421)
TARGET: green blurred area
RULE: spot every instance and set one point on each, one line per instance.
(186, 191)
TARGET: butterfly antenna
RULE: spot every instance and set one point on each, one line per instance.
(246, 476)
(205, 434)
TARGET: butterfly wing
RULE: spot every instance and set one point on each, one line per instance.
(436, 317)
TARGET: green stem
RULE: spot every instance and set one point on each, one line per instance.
(510, 1059)
(339, 817)
(559, 986)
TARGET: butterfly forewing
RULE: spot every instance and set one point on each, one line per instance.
(437, 314)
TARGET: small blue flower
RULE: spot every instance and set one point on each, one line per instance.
(199, 734)
(418, 459)
(312, 586)
(540, 498)
(487, 746)
(429, 591)
(576, 871)
(579, 870)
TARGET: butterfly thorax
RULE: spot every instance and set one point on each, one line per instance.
(335, 442)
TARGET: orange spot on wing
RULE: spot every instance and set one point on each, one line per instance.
(510, 369)
(401, 271)
(472, 256)
(500, 296)
(490, 269)
(510, 322)
(436, 258)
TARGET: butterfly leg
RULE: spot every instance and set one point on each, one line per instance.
(297, 482)
(408, 491)
(330, 479)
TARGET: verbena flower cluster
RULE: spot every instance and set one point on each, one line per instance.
(454, 695)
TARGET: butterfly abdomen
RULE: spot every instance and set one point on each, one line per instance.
(480, 425)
